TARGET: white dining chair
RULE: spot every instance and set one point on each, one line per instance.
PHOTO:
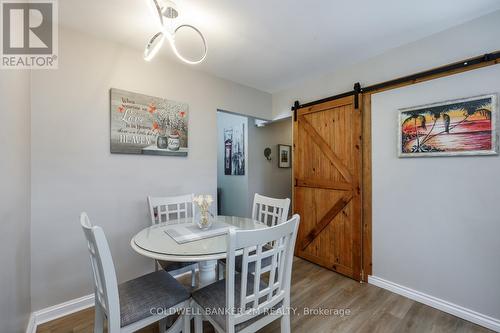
(134, 304)
(270, 211)
(248, 303)
(164, 210)
(267, 210)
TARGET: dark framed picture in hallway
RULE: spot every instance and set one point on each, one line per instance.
(234, 150)
(453, 128)
(284, 156)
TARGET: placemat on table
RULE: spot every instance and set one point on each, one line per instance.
(191, 232)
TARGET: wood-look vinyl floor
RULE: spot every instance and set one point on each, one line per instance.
(372, 309)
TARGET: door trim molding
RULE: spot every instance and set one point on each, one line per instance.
(437, 303)
(366, 192)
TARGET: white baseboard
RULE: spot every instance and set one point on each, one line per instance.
(31, 328)
(454, 309)
(57, 311)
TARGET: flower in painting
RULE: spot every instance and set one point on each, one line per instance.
(182, 114)
(121, 109)
(156, 127)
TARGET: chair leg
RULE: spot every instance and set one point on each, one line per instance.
(220, 270)
(98, 320)
(193, 277)
(157, 266)
(285, 324)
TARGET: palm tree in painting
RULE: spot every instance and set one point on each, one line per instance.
(435, 117)
(485, 112)
(446, 119)
(418, 121)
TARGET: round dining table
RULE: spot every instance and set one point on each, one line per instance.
(153, 242)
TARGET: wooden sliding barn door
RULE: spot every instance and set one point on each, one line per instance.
(327, 189)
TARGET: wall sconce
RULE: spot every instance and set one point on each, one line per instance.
(267, 153)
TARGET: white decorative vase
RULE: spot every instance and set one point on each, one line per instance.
(174, 142)
(204, 219)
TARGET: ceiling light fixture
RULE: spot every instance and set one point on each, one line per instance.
(167, 12)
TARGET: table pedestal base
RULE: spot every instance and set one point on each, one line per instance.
(208, 272)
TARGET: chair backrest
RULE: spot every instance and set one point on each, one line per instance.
(103, 271)
(270, 211)
(164, 209)
(276, 243)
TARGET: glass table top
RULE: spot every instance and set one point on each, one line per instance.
(155, 243)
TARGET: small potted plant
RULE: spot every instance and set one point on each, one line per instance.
(176, 121)
(204, 218)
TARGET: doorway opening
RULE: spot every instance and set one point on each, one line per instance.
(247, 161)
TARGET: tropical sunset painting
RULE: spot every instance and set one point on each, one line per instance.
(458, 127)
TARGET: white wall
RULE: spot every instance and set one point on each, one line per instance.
(234, 188)
(467, 40)
(14, 200)
(73, 170)
(266, 177)
(436, 221)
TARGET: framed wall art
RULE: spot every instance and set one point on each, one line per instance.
(142, 124)
(234, 150)
(453, 128)
(284, 156)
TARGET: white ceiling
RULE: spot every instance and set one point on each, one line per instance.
(273, 44)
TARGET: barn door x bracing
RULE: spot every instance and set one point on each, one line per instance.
(327, 189)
